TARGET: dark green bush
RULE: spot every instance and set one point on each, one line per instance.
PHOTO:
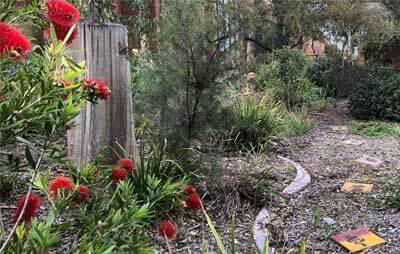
(336, 77)
(377, 95)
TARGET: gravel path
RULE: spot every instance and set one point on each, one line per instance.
(331, 163)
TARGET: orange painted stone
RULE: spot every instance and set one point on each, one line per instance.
(358, 239)
(357, 187)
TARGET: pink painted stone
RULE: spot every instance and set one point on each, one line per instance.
(370, 161)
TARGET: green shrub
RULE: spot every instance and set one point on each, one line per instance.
(377, 96)
(336, 77)
(254, 124)
(297, 123)
(378, 129)
(285, 65)
(285, 77)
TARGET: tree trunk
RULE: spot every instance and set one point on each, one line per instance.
(104, 48)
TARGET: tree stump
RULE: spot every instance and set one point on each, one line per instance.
(104, 48)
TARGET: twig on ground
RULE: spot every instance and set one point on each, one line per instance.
(8, 207)
(1, 223)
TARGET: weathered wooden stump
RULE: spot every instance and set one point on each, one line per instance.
(104, 48)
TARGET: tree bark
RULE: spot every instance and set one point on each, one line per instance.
(104, 48)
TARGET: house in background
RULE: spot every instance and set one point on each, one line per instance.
(314, 48)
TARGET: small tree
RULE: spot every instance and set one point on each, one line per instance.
(181, 82)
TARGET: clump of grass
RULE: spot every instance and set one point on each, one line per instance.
(255, 123)
(374, 129)
(297, 123)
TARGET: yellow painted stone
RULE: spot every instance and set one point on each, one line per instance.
(358, 240)
(357, 187)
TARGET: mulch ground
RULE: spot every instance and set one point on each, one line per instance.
(299, 217)
(241, 185)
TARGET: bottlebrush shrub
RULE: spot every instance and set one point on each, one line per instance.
(33, 102)
(37, 238)
(33, 106)
(117, 216)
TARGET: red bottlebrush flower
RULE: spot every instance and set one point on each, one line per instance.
(62, 13)
(13, 42)
(119, 174)
(190, 189)
(31, 209)
(128, 165)
(89, 82)
(61, 33)
(103, 91)
(97, 88)
(194, 202)
(84, 194)
(167, 229)
(60, 183)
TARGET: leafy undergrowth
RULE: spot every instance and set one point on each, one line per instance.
(374, 129)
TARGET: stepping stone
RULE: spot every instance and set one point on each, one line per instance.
(339, 128)
(353, 142)
(358, 239)
(329, 221)
(370, 161)
(357, 187)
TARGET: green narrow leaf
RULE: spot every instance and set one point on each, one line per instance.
(29, 157)
(215, 234)
(28, 143)
(233, 229)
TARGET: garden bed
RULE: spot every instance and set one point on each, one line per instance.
(300, 217)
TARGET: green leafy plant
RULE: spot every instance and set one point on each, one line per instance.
(285, 77)
(254, 124)
(374, 129)
(41, 237)
(297, 123)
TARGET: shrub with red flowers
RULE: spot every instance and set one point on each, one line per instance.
(63, 16)
(118, 175)
(31, 209)
(127, 164)
(167, 229)
(95, 89)
(13, 43)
